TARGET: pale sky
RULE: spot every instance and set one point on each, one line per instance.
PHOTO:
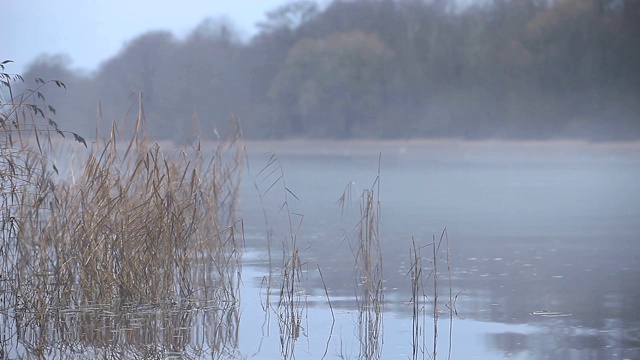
(91, 31)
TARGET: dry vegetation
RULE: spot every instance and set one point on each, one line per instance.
(367, 253)
(140, 227)
(291, 295)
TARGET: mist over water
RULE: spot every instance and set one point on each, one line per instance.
(543, 237)
(539, 259)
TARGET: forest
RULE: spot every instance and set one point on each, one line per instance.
(375, 69)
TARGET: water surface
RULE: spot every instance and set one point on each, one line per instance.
(543, 239)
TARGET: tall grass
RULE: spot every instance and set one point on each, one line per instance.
(132, 227)
(139, 227)
(26, 185)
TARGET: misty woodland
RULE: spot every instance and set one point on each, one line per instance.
(378, 69)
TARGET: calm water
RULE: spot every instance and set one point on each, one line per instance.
(543, 243)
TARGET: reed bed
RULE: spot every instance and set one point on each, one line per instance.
(140, 227)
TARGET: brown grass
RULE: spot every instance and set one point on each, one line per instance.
(139, 227)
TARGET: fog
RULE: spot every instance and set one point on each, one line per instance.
(508, 127)
(525, 69)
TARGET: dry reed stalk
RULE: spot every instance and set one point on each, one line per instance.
(26, 126)
(367, 253)
(369, 269)
(333, 316)
(434, 262)
(291, 300)
(417, 294)
(419, 298)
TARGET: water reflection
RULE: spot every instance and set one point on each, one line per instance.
(559, 342)
(166, 330)
(510, 344)
(205, 324)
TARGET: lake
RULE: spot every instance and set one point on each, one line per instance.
(390, 250)
(543, 243)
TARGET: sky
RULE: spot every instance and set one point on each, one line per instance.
(91, 31)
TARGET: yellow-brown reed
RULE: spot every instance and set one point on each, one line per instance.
(140, 225)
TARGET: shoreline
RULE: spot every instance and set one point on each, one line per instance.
(319, 146)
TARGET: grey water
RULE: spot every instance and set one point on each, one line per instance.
(543, 241)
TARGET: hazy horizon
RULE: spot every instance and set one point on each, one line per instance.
(343, 69)
(90, 33)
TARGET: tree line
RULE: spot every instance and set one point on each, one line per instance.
(378, 69)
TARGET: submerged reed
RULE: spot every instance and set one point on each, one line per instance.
(367, 252)
(420, 298)
(291, 300)
(369, 271)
